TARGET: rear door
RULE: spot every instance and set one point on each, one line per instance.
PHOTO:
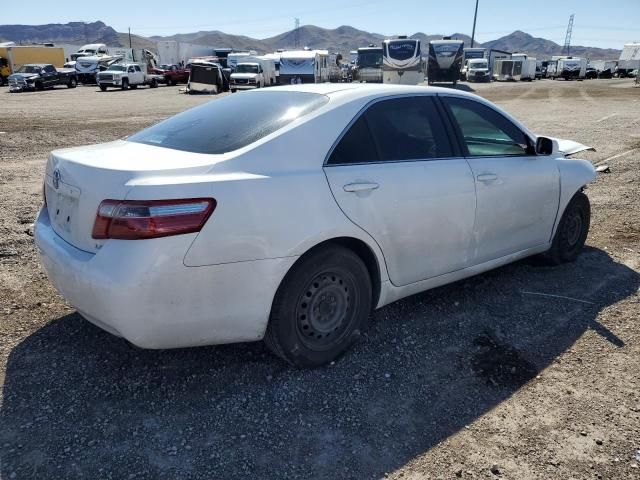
(517, 191)
(394, 174)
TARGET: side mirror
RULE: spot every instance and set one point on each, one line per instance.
(544, 146)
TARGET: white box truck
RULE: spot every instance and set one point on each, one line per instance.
(571, 68)
(253, 72)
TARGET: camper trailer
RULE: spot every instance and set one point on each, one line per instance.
(402, 61)
(90, 50)
(571, 68)
(445, 60)
(304, 66)
(369, 64)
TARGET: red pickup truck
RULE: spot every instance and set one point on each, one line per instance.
(173, 74)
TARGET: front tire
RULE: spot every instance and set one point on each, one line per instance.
(321, 308)
(103, 88)
(73, 83)
(572, 231)
(125, 84)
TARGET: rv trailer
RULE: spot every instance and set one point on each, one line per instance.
(370, 64)
(494, 55)
(571, 68)
(445, 60)
(304, 66)
(402, 61)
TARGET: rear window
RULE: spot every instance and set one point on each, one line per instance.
(231, 122)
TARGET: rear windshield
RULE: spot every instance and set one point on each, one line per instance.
(231, 122)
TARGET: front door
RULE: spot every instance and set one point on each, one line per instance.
(517, 191)
(394, 175)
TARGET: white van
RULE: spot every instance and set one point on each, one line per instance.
(255, 72)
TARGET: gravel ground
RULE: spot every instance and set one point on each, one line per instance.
(480, 379)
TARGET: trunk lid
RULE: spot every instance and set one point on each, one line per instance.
(77, 180)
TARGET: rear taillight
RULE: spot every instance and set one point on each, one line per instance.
(141, 219)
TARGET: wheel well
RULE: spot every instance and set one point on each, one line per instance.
(366, 255)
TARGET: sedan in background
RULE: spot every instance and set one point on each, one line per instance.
(288, 214)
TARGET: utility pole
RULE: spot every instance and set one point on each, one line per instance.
(473, 33)
(296, 33)
(567, 38)
(130, 38)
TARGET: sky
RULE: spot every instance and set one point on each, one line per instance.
(598, 23)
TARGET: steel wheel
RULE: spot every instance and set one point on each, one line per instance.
(324, 311)
(320, 308)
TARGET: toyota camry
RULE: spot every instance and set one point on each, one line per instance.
(288, 214)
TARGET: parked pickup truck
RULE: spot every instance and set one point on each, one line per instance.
(38, 76)
(125, 75)
(172, 74)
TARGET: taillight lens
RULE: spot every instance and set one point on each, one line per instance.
(141, 219)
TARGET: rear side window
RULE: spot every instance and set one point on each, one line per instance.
(231, 122)
(485, 132)
(356, 146)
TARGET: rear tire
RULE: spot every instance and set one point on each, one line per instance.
(133, 87)
(73, 83)
(572, 231)
(321, 307)
(154, 83)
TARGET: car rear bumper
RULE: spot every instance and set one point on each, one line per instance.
(142, 291)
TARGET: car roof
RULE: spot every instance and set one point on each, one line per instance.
(356, 90)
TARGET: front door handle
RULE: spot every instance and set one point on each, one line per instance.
(360, 186)
(487, 177)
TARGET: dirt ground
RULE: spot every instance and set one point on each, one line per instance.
(484, 378)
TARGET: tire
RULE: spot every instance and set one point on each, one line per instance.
(73, 83)
(103, 88)
(2, 80)
(39, 86)
(154, 83)
(125, 84)
(133, 87)
(321, 307)
(572, 231)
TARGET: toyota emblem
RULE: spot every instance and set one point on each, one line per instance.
(56, 178)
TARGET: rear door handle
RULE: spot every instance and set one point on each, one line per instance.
(360, 187)
(487, 177)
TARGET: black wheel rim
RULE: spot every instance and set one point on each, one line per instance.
(325, 310)
(573, 229)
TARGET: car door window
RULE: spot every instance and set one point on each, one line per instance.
(485, 132)
(398, 129)
(49, 69)
(408, 128)
(138, 68)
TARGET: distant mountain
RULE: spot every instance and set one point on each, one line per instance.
(72, 32)
(341, 39)
(519, 41)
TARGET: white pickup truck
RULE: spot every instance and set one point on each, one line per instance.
(125, 75)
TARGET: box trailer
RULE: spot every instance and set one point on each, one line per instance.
(515, 70)
(18, 55)
(494, 55)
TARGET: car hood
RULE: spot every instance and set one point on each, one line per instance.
(569, 147)
(244, 76)
(23, 76)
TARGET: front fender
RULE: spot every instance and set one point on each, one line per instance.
(574, 175)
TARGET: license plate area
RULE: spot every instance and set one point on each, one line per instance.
(65, 212)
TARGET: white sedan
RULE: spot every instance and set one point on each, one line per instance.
(290, 213)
